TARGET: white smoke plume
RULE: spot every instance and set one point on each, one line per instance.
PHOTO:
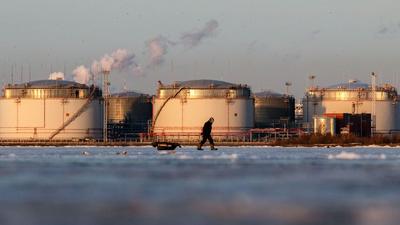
(95, 67)
(157, 49)
(120, 59)
(192, 39)
(106, 63)
(81, 74)
(56, 76)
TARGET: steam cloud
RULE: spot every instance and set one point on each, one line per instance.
(192, 39)
(390, 29)
(56, 76)
(81, 74)
(120, 59)
(106, 63)
(96, 67)
(158, 48)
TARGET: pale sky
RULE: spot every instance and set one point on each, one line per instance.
(262, 43)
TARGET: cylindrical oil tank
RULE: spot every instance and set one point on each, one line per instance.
(273, 109)
(51, 109)
(182, 108)
(298, 113)
(129, 112)
(324, 125)
(354, 98)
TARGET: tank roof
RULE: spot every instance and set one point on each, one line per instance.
(49, 84)
(128, 94)
(350, 85)
(201, 84)
(268, 93)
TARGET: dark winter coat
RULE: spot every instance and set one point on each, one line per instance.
(207, 129)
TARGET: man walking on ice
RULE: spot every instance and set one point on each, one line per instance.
(206, 135)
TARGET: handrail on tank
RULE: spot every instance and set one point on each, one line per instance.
(162, 106)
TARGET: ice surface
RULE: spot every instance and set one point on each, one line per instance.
(260, 185)
(345, 155)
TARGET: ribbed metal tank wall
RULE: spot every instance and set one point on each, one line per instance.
(132, 110)
(272, 110)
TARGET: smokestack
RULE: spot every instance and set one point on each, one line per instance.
(106, 93)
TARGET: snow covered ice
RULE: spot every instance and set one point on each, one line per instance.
(243, 185)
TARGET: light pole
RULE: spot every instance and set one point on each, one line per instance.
(311, 79)
(288, 84)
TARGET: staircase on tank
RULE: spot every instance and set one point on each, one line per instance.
(75, 116)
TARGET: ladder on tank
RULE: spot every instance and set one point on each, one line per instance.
(162, 106)
(75, 116)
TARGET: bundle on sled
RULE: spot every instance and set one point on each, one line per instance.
(165, 145)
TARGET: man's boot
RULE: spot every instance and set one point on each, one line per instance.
(213, 148)
(199, 147)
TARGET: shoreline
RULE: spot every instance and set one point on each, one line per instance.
(184, 144)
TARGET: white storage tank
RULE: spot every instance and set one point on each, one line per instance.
(354, 98)
(51, 109)
(180, 109)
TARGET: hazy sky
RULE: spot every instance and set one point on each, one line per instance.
(262, 43)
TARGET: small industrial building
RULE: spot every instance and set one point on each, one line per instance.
(51, 109)
(180, 109)
(343, 123)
